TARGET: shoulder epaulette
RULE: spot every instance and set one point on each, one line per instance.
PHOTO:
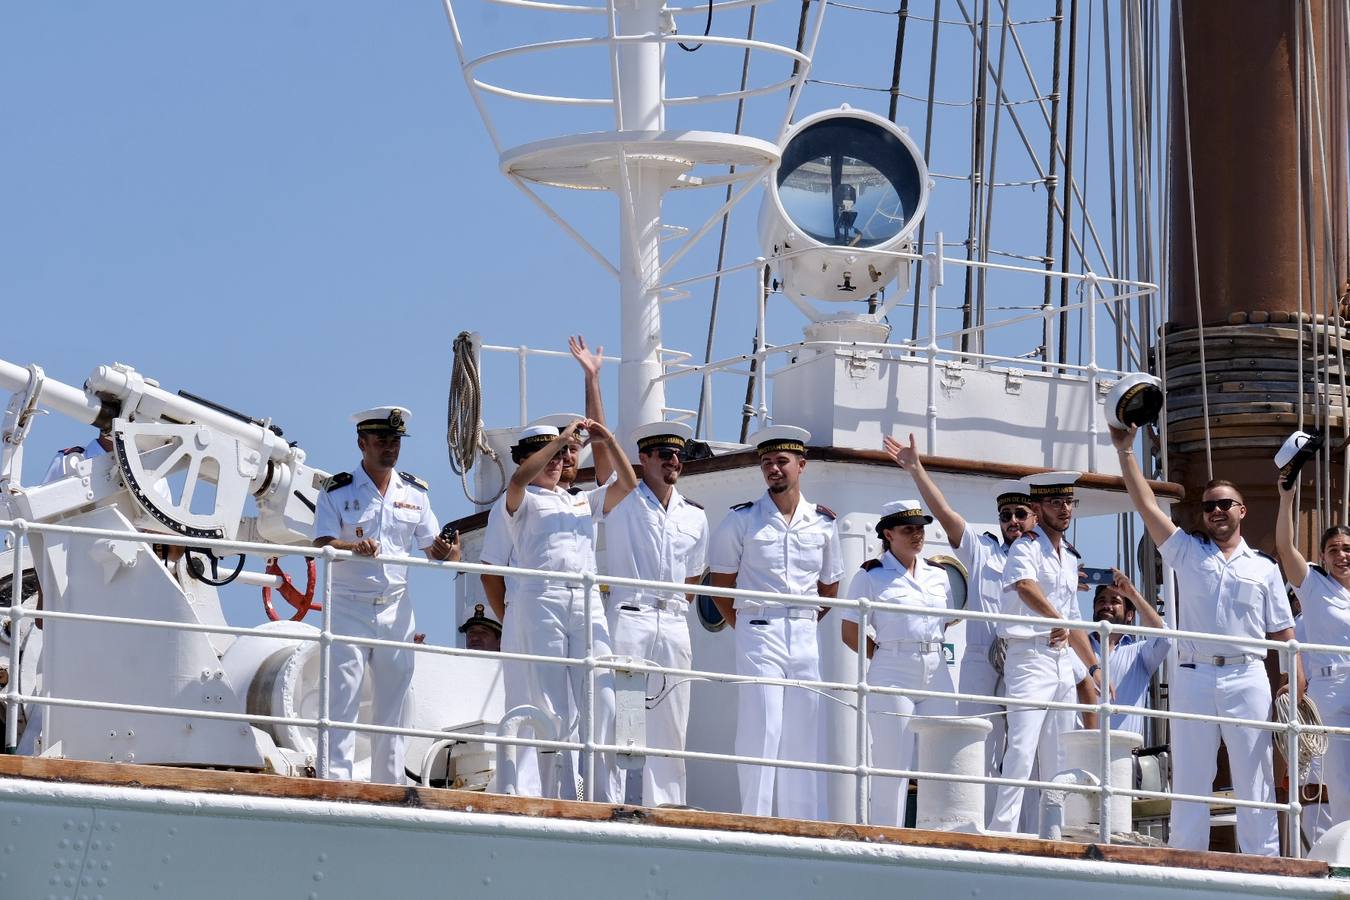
(936, 565)
(1267, 556)
(1315, 567)
(826, 511)
(69, 450)
(1199, 535)
(871, 564)
(993, 537)
(574, 490)
(340, 480)
(414, 480)
(1030, 533)
(1072, 549)
(746, 505)
(693, 503)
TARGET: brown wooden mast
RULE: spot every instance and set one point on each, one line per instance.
(1268, 215)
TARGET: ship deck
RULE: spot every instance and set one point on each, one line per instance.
(246, 784)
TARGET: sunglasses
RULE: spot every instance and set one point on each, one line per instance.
(664, 453)
(1225, 504)
(1007, 515)
(1061, 502)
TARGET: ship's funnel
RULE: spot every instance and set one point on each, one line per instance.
(850, 191)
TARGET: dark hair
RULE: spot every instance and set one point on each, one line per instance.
(1223, 482)
(520, 454)
(1333, 531)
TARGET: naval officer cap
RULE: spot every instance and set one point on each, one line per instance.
(781, 438)
(902, 512)
(1011, 492)
(1134, 400)
(1052, 484)
(1296, 450)
(480, 618)
(382, 420)
(558, 420)
(532, 437)
(674, 435)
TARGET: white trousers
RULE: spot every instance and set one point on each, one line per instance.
(1032, 671)
(391, 672)
(516, 692)
(889, 720)
(1241, 691)
(777, 722)
(660, 637)
(555, 625)
(1331, 693)
(979, 677)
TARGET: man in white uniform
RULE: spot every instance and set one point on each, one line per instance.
(1223, 587)
(658, 534)
(984, 556)
(554, 530)
(500, 592)
(786, 544)
(1040, 578)
(374, 511)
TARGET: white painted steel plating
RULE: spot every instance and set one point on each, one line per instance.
(862, 770)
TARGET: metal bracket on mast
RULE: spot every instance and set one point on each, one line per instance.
(18, 421)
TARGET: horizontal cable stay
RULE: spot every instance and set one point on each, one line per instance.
(845, 693)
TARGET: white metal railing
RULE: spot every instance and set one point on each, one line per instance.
(585, 743)
(678, 368)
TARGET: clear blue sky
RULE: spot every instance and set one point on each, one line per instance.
(293, 207)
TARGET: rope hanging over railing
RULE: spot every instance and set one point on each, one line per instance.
(464, 419)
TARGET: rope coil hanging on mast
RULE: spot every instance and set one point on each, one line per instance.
(464, 423)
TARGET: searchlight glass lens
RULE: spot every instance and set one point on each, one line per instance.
(848, 182)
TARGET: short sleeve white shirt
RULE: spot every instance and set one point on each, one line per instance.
(1325, 618)
(554, 530)
(891, 582)
(644, 539)
(497, 541)
(400, 521)
(1033, 557)
(1241, 595)
(984, 557)
(768, 553)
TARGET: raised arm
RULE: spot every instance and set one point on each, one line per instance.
(1148, 613)
(1295, 566)
(529, 470)
(627, 478)
(1159, 526)
(590, 363)
(907, 458)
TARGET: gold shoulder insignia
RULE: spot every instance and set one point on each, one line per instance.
(414, 480)
(340, 480)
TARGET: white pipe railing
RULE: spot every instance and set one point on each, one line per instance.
(587, 744)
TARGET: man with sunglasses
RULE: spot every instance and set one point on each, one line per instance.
(784, 544)
(554, 530)
(1040, 579)
(984, 556)
(657, 534)
(1224, 587)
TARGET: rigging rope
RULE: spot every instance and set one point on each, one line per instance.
(464, 419)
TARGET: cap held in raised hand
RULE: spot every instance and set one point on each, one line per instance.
(1297, 449)
(382, 420)
(1134, 400)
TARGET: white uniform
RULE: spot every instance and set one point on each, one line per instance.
(984, 556)
(515, 675)
(1033, 670)
(370, 601)
(554, 530)
(1326, 620)
(908, 655)
(646, 540)
(1242, 595)
(768, 553)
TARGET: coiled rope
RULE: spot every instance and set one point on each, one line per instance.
(1311, 744)
(463, 419)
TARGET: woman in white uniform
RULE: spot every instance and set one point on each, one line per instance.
(906, 651)
(1324, 592)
